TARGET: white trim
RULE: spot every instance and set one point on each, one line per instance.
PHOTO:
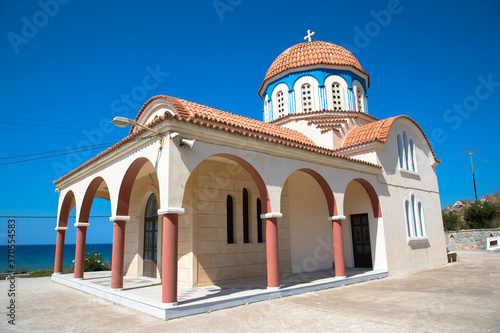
(273, 288)
(60, 228)
(82, 224)
(170, 305)
(336, 218)
(357, 85)
(330, 79)
(341, 277)
(297, 87)
(171, 210)
(283, 87)
(119, 218)
(271, 215)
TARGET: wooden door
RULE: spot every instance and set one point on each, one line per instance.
(361, 241)
(150, 238)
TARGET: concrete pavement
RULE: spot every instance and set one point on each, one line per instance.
(461, 296)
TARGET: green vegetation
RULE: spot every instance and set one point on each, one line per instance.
(93, 262)
(478, 214)
(481, 213)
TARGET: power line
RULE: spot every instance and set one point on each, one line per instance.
(70, 151)
(46, 121)
(35, 131)
(79, 149)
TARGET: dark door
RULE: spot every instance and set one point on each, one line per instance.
(150, 237)
(361, 241)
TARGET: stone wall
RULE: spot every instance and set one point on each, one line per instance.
(469, 239)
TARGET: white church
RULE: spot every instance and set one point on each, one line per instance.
(200, 196)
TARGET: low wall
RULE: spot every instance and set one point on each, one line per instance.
(474, 239)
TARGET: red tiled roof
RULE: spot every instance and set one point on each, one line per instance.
(205, 116)
(312, 53)
(377, 131)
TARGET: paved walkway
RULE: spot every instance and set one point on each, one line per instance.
(461, 296)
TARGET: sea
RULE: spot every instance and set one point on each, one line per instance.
(35, 257)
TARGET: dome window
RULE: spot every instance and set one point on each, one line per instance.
(307, 97)
(281, 103)
(338, 103)
(359, 96)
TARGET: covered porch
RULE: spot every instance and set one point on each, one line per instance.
(141, 293)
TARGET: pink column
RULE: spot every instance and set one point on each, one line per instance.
(81, 236)
(338, 247)
(169, 259)
(117, 255)
(58, 263)
(273, 278)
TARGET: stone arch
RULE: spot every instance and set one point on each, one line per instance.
(129, 178)
(68, 204)
(327, 191)
(88, 199)
(261, 186)
(377, 211)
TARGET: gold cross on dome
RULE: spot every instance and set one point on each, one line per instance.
(309, 35)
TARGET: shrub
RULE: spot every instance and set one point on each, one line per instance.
(481, 213)
(93, 262)
(450, 221)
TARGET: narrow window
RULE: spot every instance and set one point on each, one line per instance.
(400, 151)
(359, 96)
(246, 227)
(230, 216)
(260, 239)
(421, 219)
(408, 218)
(405, 145)
(411, 150)
(415, 231)
(307, 97)
(280, 103)
(338, 103)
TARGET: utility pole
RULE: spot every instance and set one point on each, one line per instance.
(472, 165)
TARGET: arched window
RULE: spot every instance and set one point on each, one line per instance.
(280, 100)
(246, 226)
(150, 237)
(411, 156)
(421, 219)
(260, 231)
(408, 217)
(400, 151)
(406, 152)
(307, 97)
(359, 99)
(337, 97)
(230, 219)
(414, 216)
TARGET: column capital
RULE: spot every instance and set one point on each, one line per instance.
(82, 224)
(171, 210)
(271, 216)
(119, 218)
(60, 228)
(336, 218)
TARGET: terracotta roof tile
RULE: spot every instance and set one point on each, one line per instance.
(377, 131)
(205, 116)
(312, 53)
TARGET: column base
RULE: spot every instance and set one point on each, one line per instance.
(58, 273)
(117, 289)
(273, 288)
(170, 305)
(341, 277)
(77, 278)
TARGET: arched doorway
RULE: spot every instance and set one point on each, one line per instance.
(150, 237)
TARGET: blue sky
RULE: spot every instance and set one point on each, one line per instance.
(77, 64)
